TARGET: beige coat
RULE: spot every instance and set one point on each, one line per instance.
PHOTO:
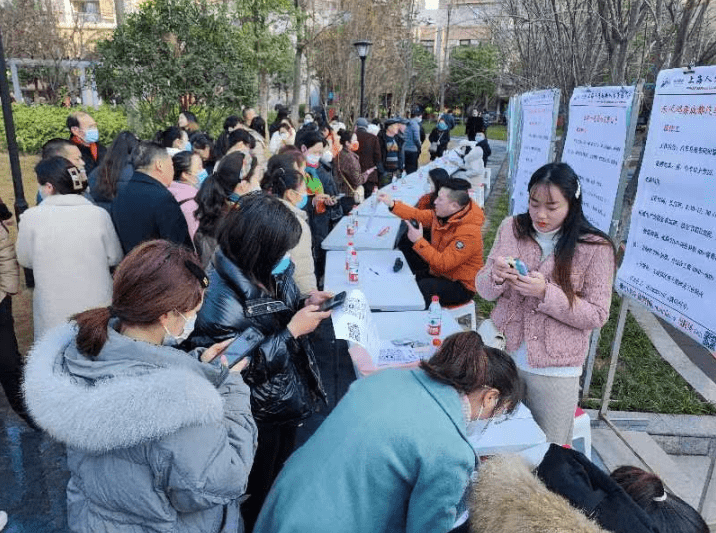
(508, 498)
(301, 255)
(70, 245)
(9, 270)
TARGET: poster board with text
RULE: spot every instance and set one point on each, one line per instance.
(538, 122)
(670, 260)
(601, 124)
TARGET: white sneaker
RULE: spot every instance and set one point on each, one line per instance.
(3, 520)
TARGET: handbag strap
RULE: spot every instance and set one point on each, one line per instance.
(338, 167)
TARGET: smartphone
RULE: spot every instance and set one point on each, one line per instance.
(521, 267)
(242, 346)
(337, 300)
(414, 223)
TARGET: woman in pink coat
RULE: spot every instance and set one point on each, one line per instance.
(548, 314)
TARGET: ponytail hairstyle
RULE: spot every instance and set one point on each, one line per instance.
(575, 228)
(280, 180)
(467, 365)
(64, 176)
(182, 163)
(345, 136)
(213, 193)
(154, 278)
(668, 512)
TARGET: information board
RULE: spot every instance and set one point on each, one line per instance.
(539, 115)
(670, 260)
(599, 123)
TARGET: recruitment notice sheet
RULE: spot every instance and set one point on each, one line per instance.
(599, 121)
(538, 127)
(670, 259)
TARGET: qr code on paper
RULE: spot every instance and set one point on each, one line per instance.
(354, 333)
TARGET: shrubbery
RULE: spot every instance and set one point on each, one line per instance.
(35, 125)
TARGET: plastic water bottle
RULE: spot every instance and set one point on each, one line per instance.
(353, 269)
(350, 226)
(394, 185)
(435, 316)
(349, 253)
(427, 188)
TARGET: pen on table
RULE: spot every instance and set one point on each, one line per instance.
(373, 271)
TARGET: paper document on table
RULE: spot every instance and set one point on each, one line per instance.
(396, 355)
(353, 322)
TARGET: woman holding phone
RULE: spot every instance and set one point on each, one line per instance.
(548, 314)
(157, 439)
(252, 295)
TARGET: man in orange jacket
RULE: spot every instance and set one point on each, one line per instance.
(454, 255)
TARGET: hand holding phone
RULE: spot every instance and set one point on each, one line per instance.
(415, 223)
(333, 302)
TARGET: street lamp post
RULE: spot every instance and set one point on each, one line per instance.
(362, 47)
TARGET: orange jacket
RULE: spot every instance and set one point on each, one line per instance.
(455, 252)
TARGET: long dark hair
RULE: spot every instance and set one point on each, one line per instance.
(167, 137)
(182, 163)
(576, 229)
(257, 235)
(280, 180)
(119, 155)
(213, 193)
(155, 278)
(466, 364)
(669, 513)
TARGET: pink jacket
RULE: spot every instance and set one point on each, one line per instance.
(184, 194)
(556, 334)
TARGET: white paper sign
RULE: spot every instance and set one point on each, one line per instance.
(598, 126)
(670, 260)
(535, 142)
(353, 322)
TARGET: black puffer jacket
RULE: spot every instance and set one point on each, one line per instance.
(283, 374)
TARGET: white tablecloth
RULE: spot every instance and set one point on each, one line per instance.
(394, 326)
(518, 433)
(408, 191)
(384, 289)
(366, 236)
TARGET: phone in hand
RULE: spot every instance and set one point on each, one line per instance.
(239, 349)
(518, 265)
(415, 223)
(331, 303)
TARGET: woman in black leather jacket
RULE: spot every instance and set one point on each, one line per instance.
(252, 294)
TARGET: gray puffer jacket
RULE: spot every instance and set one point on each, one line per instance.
(156, 440)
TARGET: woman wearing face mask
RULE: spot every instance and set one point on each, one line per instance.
(288, 184)
(157, 438)
(69, 244)
(219, 193)
(394, 455)
(347, 170)
(188, 174)
(115, 170)
(439, 139)
(252, 294)
(174, 139)
(547, 315)
(284, 136)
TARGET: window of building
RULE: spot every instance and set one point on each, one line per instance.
(87, 10)
(465, 42)
(429, 45)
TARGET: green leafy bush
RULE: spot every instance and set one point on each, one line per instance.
(35, 125)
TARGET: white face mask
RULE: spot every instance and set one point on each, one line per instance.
(327, 157)
(171, 340)
(477, 427)
(312, 159)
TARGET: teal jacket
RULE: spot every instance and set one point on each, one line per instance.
(392, 457)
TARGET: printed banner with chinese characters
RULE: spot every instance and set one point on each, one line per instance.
(538, 128)
(670, 259)
(599, 120)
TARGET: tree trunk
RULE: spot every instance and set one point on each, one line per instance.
(262, 104)
(296, 81)
(119, 11)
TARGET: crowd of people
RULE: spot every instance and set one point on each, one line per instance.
(176, 298)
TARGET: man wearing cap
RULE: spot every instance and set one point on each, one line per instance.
(369, 155)
(453, 256)
(391, 148)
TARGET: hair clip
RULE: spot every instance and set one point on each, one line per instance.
(198, 273)
(579, 190)
(78, 180)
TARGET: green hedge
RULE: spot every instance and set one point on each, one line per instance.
(35, 125)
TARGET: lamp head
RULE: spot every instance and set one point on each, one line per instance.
(362, 48)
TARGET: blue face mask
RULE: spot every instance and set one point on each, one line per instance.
(442, 126)
(92, 136)
(282, 265)
(187, 146)
(202, 175)
(302, 202)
